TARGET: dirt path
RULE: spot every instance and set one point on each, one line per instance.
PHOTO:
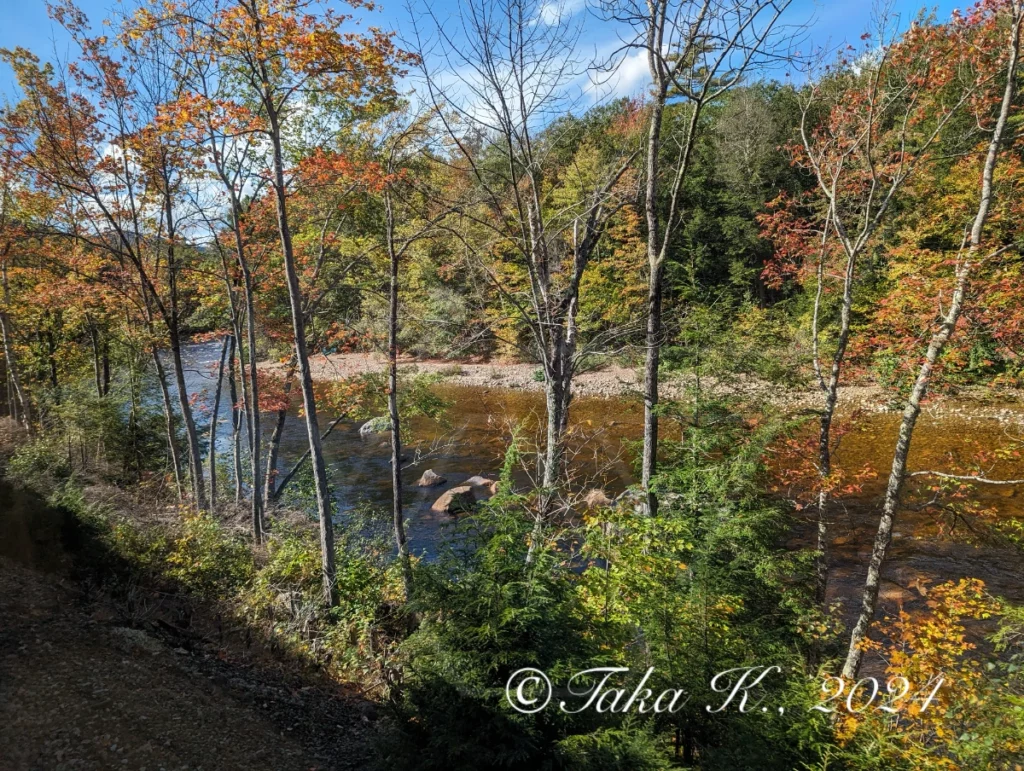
(84, 686)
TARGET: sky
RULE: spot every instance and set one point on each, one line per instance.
(831, 23)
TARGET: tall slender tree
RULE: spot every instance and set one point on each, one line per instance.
(278, 53)
(695, 52)
(866, 125)
(1001, 20)
(503, 77)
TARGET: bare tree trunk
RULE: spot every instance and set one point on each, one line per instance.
(106, 367)
(172, 320)
(651, 363)
(825, 429)
(12, 408)
(213, 424)
(552, 461)
(897, 474)
(236, 421)
(250, 394)
(13, 378)
(396, 423)
(51, 361)
(556, 370)
(172, 439)
(252, 404)
(97, 365)
(195, 458)
(656, 273)
(274, 447)
(250, 384)
(12, 364)
(558, 396)
(323, 493)
(134, 389)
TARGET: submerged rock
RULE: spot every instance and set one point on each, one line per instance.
(430, 479)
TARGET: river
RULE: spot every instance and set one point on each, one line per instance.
(474, 433)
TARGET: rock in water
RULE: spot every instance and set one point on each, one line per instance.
(375, 426)
(466, 495)
(634, 499)
(597, 499)
(430, 479)
(455, 501)
(483, 488)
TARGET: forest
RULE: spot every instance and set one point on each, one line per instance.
(426, 400)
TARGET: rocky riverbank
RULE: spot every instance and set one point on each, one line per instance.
(615, 381)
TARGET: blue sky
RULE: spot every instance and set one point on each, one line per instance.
(25, 23)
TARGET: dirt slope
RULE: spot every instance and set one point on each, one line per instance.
(85, 683)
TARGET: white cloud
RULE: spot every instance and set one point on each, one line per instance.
(629, 78)
(554, 11)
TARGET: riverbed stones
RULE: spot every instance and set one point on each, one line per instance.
(376, 425)
(458, 500)
(430, 479)
(597, 498)
(483, 487)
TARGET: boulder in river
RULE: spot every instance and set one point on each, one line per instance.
(456, 501)
(483, 487)
(430, 479)
(635, 499)
(597, 499)
(375, 426)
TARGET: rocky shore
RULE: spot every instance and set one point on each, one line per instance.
(616, 381)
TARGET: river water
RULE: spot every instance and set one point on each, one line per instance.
(469, 440)
(472, 438)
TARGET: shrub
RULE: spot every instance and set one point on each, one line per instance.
(208, 560)
(111, 438)
(39, 464)
(485, 614)
(625, 748)
(287, 590)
